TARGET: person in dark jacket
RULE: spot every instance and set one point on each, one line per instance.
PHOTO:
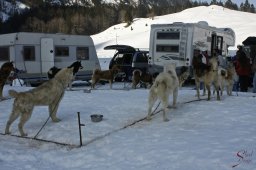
(254, 74)
(242, 66)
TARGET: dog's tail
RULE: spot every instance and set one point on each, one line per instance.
(160, 85)
(13, 93)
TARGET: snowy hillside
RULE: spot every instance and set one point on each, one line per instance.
(137, 34)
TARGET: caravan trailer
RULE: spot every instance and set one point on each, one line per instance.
(175, 43)
(35, 53)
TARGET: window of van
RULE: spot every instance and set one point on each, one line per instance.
(61, 51)
(127, 58)
(82, 53)
(4, 54)
(142, 58)
(123, 58)
(29, 53)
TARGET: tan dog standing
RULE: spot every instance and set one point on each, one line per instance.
(108, 75)
(49, 94)
(209, 77)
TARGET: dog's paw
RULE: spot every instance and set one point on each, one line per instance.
(7, 133)
(148, 118)
(166, 120)
(56, 120)
(24, 134)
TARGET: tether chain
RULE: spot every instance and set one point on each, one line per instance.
(49, 116)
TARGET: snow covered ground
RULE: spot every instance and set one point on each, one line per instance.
(200, 135)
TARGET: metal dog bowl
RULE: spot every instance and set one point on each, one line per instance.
(96, 117)
(87, 90)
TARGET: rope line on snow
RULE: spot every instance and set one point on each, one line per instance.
(97, 138)
(41, 140)
(135, 122)
(54, 109)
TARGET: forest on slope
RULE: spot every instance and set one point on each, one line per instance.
(89, 17)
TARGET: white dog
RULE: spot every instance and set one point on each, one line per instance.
(49, 94)
(164, 85)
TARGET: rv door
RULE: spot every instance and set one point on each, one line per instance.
(47, 54)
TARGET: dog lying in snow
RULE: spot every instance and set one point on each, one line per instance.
(49, 93)
(165, 84)
(108, 75)
(138, 76)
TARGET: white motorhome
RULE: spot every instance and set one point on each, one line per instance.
(35, 53)
(176, 42)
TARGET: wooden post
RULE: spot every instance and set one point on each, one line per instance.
(80, 132)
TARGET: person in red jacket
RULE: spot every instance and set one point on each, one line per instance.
(243, 69)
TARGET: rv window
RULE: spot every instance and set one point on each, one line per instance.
(168, 35)
(29, 53)
(61, 51)
(82, 53)
(167, 48)
(4, 54)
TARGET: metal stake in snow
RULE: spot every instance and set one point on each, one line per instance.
(79, 125)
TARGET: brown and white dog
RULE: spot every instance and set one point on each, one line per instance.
(165, 84)
(49, 94)
(108, 75)
(5, 71)
(138, 76)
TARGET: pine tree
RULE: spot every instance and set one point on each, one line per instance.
(128, 17)
(229, 4)
(252, 9)
(247, 6)
(214, 2)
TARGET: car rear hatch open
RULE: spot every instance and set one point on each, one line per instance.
(120, 48)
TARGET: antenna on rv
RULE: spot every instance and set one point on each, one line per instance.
(116, 38)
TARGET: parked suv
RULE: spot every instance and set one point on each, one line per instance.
(128, 58)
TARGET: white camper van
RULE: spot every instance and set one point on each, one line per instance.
(35, 53)
(176, 42)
